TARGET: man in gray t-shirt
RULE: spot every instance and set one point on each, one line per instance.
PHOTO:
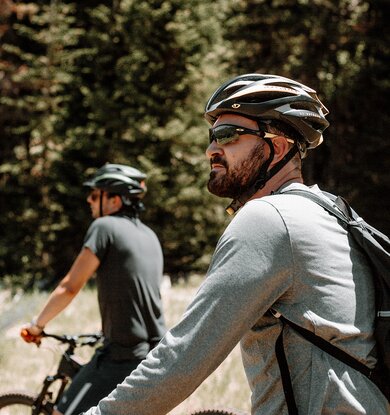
(281, 252)
(127, 258)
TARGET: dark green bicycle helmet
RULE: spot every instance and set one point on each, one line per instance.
(275, 100)
(119, 179)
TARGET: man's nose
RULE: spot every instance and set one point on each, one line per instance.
(212, 149)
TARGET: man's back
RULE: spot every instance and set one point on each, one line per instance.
(128, 279)
(323, 283)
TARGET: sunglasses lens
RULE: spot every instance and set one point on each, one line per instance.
(223, 134)
(227, 133)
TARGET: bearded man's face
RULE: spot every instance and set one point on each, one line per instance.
(233, 177)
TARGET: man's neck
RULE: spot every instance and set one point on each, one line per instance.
(289, 174)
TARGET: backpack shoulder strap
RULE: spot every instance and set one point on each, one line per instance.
(339, 208)
(374, 243)
(329, 348)
(317, 341)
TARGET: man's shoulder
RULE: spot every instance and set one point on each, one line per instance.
(109, 220)
(283, 206)
(260, 215)
(285, 199)
(103, 223)
(123, 224)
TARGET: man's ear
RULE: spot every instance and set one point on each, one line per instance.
(118, 201)
(281, 148)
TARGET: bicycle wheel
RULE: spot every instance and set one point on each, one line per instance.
(16, 403)
(218, 412)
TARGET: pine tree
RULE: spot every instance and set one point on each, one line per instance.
(101, 81)
(340, 49)
(36, 48)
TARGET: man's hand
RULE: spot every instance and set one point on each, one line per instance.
(31, 334)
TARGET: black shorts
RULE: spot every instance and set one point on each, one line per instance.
(94, 381)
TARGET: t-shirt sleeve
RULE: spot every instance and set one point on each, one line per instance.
(97, 238)
(250, 270)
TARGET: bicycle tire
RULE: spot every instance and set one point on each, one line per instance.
(217, 412)
(17, 403)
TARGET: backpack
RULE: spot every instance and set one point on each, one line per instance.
(376, 245)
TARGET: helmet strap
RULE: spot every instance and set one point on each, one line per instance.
(101, 203)
(262, 177)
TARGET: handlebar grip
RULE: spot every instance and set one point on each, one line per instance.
(30, 338)
(26, 336)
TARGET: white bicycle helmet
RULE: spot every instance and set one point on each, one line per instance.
(275, 100)
(118, 179)
(272, 97)
(125, 181)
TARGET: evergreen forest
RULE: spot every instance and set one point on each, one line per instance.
(125, 81)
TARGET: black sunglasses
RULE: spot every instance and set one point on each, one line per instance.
(226, 133)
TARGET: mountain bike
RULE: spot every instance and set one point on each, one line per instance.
(23, 403)
(20, 402)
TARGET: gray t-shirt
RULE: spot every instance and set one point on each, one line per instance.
(285, 252)
(128, 283)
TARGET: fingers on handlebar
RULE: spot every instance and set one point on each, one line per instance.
(29, 337)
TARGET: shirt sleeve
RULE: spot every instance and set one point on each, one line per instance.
(98, 237)
(249, 271)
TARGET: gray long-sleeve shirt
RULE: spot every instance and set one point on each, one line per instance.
(286, 252)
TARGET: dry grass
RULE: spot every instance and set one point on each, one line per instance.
(23, 366)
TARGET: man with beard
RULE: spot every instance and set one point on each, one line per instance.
(282, 255)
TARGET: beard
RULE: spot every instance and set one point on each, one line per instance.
(239, 179)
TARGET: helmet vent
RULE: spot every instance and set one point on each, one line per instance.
(316, 125)
(263, 97)
(226, 93)
(302, 106)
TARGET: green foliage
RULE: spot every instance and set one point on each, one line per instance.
(125, 81)
(341, 49)
(96, 83)
(36, 49)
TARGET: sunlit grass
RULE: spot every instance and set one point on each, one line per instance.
(24, 366)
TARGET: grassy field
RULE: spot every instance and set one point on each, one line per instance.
(23, 366)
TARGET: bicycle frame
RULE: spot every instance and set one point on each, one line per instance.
(48, 397)
(67, 369)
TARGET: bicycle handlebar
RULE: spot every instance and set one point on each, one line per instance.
(73, 341)
(76, 340)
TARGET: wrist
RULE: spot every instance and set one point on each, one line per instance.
(34, 322)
